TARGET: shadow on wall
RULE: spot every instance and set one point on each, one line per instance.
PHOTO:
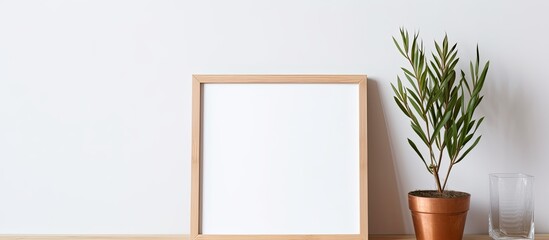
(509, 122)
(509, 117)
(384, 208)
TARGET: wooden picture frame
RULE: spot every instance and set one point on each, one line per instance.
(198, 83)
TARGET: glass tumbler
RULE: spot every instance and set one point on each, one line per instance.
(511, 206)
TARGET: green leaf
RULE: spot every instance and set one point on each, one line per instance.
(397, 94)
(458, 106)
(431, 74)
(398, 47)
(453, 64)
(441, 124)
(471, 105)
(413, 145)
(401, 89)
(421, 59)
(445, 43)
(417, 108)
(420, 133)
(477, 62)
(411, 81)
(404, 35)
(438, 62)
(464, 81)
(479, 101)
(467, 139)
(402, 108)
(435, 68)
(414, 97)
(473, 76)
(478, 124)
(454, 135)
(468, 150)
(453, 56)
(433, 97)
(450, 149)
(439, 51)
(413, 51)
(483, 74)
(454, 48)
(407, 72)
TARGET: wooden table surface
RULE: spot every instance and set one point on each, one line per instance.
(185, 237)
(466, 237)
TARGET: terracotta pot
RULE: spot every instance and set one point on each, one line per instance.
(437, 218)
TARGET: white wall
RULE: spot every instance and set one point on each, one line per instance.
(95, 99)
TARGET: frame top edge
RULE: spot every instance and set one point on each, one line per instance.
(254, 78)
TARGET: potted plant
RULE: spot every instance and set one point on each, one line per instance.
(440, 103)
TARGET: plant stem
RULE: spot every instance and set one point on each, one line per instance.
(434, 163)
(436, 166)
(437, 180)
(447, 175)
(441, 151)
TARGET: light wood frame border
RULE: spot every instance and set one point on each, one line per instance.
(199, 80)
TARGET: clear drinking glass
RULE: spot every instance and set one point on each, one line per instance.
(511, 206)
